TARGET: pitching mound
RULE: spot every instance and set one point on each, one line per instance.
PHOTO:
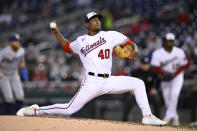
(15, 123)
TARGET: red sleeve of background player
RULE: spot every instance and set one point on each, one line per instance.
(158, 70)
(67, 48)
(180, 69)
(128, 42)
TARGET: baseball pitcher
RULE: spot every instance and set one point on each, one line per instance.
(95, 51)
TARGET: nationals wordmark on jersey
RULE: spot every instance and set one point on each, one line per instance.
(89, 47)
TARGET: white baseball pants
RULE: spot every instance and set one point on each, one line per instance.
(93, 86)
(171, 91)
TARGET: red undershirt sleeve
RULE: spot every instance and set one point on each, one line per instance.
(180, 69)
(67, 48)
(158, 70)
(128, 42)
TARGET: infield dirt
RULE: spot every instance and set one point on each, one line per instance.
(16, 123)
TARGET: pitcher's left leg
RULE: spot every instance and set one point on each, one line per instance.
(121, 84)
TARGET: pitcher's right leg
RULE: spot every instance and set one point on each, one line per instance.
(67, 109)
(78, 101)
(87, 92)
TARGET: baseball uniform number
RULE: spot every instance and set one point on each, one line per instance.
(104, 55)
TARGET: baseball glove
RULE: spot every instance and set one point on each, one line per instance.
(167, 76)
(127, 52)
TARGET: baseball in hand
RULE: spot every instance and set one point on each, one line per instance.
(53, 25)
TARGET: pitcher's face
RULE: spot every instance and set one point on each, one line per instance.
(94, 24)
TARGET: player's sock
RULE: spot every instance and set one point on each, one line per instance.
(18, 105)
(9, 108)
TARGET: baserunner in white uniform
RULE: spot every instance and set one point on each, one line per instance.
(95, 51)
(11, 59)
(170, 61)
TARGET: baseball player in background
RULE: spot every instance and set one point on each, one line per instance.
(95, 51)
(169, 62)
(11, 59)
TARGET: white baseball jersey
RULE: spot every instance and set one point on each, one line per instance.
(9, 60)
(169, 62)
(96, 51)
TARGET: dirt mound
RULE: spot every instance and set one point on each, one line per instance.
(15, 123)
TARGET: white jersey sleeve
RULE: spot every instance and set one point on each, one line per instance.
(74, 46)
(183, 60)
(155, 61)
(118, 38)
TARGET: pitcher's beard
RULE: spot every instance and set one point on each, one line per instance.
(97, 31)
